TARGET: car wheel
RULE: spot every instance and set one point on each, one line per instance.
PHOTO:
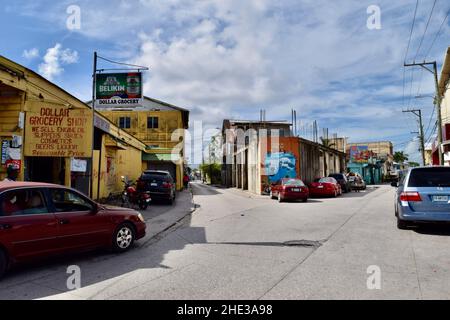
(279, 198)
(123, 237)
(3, 263)
(305, 200)
(402, 224)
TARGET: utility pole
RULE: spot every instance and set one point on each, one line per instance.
(94, 83)
(418, 113)
(438, 102)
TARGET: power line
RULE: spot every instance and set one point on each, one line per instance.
(412, 28)
(425, 31)
(437, 34)
(123, 64)
(431, 134)
(429, 122)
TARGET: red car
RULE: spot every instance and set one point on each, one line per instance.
(41, 219)
(289, 189)
(325, 187)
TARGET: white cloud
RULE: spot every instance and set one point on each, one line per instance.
(227, 59)
(69, 56)
(54, 58)
(31, 54)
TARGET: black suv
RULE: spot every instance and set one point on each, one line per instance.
(159, 183)
(342, 180)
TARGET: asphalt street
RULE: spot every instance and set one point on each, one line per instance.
(241, 246)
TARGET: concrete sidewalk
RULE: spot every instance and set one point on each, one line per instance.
(160, 216)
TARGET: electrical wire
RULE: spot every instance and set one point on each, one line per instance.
(122, 63)
(425, 31)
(411, 31)
(437, 34)
(429, 122)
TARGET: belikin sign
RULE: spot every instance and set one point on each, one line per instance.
(118, 89)
(57, 131)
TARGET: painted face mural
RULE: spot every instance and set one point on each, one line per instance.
(280, 165)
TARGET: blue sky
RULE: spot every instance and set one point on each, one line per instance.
(228, 59)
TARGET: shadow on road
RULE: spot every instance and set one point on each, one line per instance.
(433, 229)
(102, 268)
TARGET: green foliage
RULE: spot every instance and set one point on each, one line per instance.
(327, 142)
(400, 156)
(413, 164)
(213, 172)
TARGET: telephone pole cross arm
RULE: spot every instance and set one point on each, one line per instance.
(438, 102)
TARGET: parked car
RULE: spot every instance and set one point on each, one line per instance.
(342, 180)
(423, 195)
(327, 186)
(41, 219)
(159, 183)
(356, 181)
(289, 189)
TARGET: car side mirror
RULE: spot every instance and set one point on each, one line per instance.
(95, 209)
(394, 184)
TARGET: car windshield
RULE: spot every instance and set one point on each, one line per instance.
(328, 179)
(429, 177)
(293, 182)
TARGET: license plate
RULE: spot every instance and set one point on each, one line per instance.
(320, 187)
(440, 198)
(296, 189)
(153, 184)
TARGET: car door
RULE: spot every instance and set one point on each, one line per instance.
(79, 225)
(27, 227)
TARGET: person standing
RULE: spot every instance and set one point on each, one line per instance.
(12, 172)
(185, 180)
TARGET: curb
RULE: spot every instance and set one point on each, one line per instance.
(158, 236)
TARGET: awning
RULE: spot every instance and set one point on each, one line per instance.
(160, 157)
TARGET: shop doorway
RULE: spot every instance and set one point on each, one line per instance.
(45, 169)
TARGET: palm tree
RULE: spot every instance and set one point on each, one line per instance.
(327, 142)
(400, 156)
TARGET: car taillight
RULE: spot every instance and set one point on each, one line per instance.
(166, 185)
(410, 196)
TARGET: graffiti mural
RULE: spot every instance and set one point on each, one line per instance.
(280, 165)
(359, 154)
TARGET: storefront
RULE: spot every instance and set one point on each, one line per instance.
(50, 135)
(42, 127)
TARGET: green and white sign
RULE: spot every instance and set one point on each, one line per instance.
(118, 89)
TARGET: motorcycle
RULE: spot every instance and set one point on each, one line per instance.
(130, 196)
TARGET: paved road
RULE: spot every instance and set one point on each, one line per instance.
(239, 246)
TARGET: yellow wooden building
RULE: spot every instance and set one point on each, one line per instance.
(160, 126)
(55, 137)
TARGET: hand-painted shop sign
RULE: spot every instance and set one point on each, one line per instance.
(57, 131)
(118, 89)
